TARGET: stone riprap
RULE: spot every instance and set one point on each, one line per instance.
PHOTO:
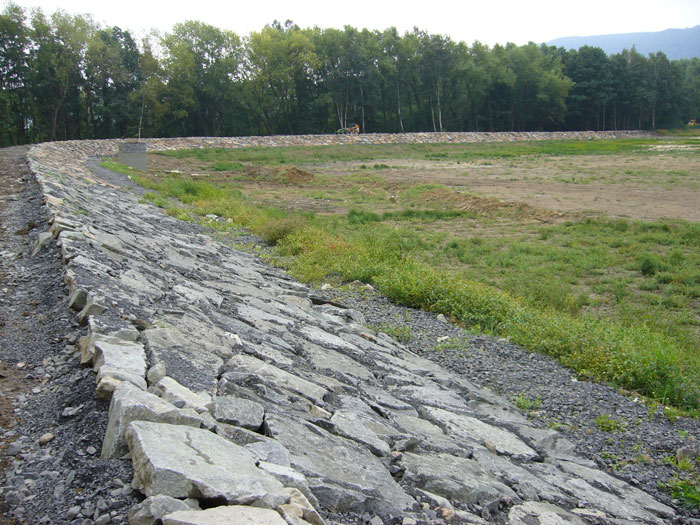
(234, 392)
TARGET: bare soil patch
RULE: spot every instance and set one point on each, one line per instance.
(543, 188)
(648, 187)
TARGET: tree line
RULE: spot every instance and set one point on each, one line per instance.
(64, 76)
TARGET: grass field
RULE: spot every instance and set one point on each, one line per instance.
(585, 250)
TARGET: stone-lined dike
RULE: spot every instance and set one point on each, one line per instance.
(241, 396)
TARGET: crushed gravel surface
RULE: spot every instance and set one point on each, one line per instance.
(50, 471)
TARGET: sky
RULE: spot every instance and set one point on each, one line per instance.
(488, 21)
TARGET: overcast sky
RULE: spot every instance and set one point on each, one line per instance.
(489, 21)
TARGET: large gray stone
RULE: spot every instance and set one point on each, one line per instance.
(429, 436)
(599, 491)
(228, 515)
(192, 348)
(430, 394)
(128, 404)
(471, 429)
(455, 478)
(326, 339)
(239, 412)
(300, 507)
(524, 481)
(531, 512)
(274, 376)
(631, 503)
(119, 354)
(290, 478)
(270, 451)
(184, 462)
(93, 306)
(174, 392)
(358, 428)
(154, 508)
(341, 474)
(329, 360)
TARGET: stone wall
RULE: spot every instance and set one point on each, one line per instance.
(237, 390)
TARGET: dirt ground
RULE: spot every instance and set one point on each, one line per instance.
(664, 184)
(649, 187)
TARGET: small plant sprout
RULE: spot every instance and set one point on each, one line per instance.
(606, 423)
(523, 402)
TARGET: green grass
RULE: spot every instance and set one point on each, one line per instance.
(116, 166)
(680, 132)
(223, 165)
(606, 423)
(686, 491)
(364, 217)
(523, 402)
(611, 298)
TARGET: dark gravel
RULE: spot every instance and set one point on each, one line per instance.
(639, 451)
(62, 481)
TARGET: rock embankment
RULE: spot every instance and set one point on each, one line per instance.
(239, 395)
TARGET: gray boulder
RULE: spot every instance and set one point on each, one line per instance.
(184, 462)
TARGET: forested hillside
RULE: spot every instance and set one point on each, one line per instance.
(64, 76)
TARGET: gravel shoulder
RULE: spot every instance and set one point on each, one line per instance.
(51, 422)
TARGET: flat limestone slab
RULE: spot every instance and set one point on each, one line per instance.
(233, 514)
(276, 376)
(128, 404)
(185, 462)
(454, 478)
(542, 513)
(343, 476)
(470, 428)
(174, 392)
(124, 355)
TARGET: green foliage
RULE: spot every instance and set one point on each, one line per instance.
(631, 356)
(649, 265)
(276, 230)
(364, 217)
(523, 402)
(687, 492)
(608, 424)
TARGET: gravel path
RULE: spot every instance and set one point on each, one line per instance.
(43, 391)
(639, 451)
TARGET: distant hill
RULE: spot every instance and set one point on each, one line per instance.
(675, 43)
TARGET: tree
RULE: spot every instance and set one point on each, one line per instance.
(55, 76)
(279, 60)
(666, 91)
(590, 70)
(201, 64)
(14, 41)
(63, 77)
(690, 70)
(112, 74)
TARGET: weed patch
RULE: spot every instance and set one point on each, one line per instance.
(606, 423)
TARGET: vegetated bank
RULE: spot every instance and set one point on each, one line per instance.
(386, 248)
